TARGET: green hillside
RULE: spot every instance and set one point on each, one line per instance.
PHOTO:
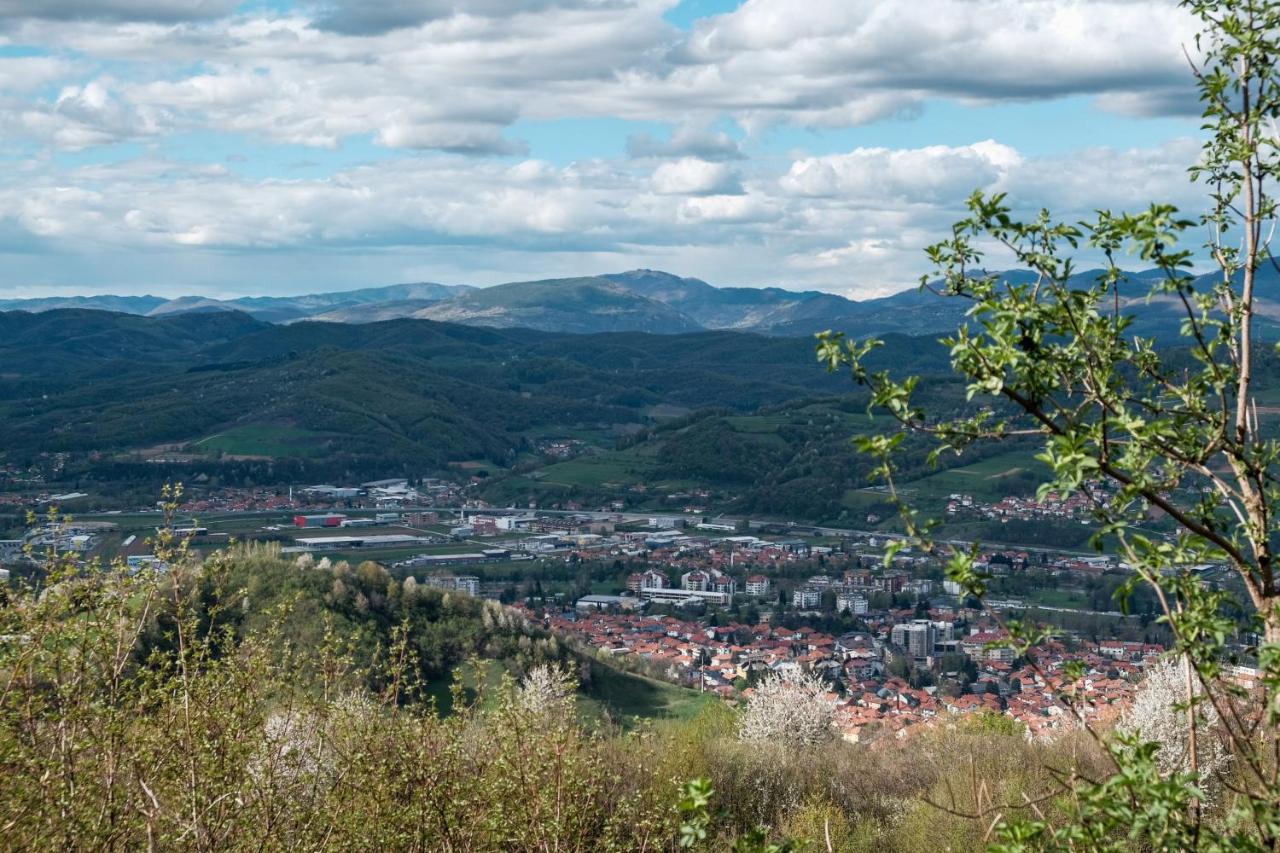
(322, 400)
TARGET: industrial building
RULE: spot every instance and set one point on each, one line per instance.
(328, 519)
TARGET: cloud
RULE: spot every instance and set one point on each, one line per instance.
(835, 63)
(84, 116)
(117, 10)
(861, 232)
(685, 141)
(25, 73)
(734, 209)
(434, 80)
(883, 174)
(690, 176)
(412, 73)
(362, 17)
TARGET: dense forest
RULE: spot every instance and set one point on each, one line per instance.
(245, 402)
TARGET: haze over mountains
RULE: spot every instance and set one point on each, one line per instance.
(634, 301)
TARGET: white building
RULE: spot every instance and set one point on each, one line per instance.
(470, 584)
(806, 598)
(916, 636)
(854, 602)
(684, 596)
(708, 580)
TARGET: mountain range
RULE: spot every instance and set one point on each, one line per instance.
(635, 301)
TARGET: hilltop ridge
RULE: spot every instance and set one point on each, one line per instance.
(640, 300)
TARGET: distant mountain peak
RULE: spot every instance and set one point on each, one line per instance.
(581, 304)
(637, 300)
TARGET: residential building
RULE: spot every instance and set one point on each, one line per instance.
(916, 636)
(806, 598)
(855, 602)
(686, 596)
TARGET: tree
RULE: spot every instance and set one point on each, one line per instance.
(791, 709)
(1137, 427)
(547, 690)
(1156, 717)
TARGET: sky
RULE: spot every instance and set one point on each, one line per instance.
(229, 147)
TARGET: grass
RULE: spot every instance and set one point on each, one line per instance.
(273, 441)
(1072, 598)
(621, 467)
(634, 697)
(487, 680)
(591, 435)
(478, 468)
(988, 479)
(864, 498)
(400, 552)
(249, 526)
(359, 555)
(627, 698)
(850, 422)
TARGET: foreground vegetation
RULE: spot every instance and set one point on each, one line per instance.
(250, 702)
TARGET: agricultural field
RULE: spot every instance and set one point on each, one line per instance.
(1012, 473)
(628, 699)
(1064, 597)
(263, 441)
(478, 468)
(619, 467)
(850, 423)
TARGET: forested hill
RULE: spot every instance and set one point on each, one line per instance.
(383, 397)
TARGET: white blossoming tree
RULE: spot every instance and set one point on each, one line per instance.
(546, 690)
(1159, 715)
(791, 709)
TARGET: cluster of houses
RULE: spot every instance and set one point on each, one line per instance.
(12, 475)
(852, 593)
(237, 500)
(871, 700)
(1072, 507)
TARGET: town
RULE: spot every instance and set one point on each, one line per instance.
(708, 602)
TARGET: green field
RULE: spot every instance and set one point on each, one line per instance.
(1072, 598)
(633, 697)
(273, 441)
(990, 479)
(852, 423)
(620, 467)
(391, 555)
(627, 698)
(758, 423)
